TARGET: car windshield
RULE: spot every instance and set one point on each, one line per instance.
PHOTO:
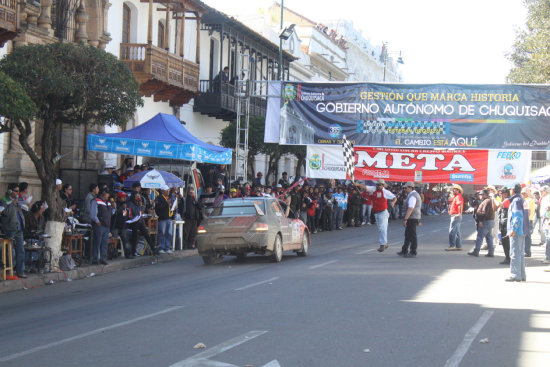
(239, 207)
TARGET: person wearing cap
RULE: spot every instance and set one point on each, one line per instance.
(455, 211)
(59, 184)
(163, 209)
(232, 193)
(517, 225)
(380, 197)
(485, 216)
(411, 221)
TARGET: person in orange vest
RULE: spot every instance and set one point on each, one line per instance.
(380, 197)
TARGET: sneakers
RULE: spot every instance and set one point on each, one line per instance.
(472, 253)
(168, 251)
(402, 254)
(489, 255)
(161, 251)
(512, 279)
(452, 248)
(505, 262)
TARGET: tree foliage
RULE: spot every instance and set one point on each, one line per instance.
(70, 84)
(531, 50)
(15, 104)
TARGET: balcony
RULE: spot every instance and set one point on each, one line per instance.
(8, 20)
(161, 74)
(220, 101)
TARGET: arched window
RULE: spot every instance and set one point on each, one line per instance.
(126, 16)
(160, 38)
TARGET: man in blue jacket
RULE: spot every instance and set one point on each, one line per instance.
(517, 228)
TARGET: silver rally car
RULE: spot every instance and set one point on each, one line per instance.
(258, 225)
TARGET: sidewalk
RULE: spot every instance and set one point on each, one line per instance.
(84, 271)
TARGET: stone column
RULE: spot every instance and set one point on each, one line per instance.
(81, 21)
(45, 20)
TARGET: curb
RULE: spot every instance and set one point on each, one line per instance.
(85, 271)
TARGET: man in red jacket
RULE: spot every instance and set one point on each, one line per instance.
(380, 197)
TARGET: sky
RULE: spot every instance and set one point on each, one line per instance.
(442, 41)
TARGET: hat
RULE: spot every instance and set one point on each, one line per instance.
(381, 182)
(58, 181)
(409, 184)
(458, 187)
(279, 185)
(164, 187)
(491, 188)
(258, 174)
(233, 190)
(121, 194)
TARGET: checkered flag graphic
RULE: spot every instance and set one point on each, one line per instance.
(349, 157)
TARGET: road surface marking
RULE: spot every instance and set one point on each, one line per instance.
(84, 335)
(366, 251)
(320, 265)
(200, 359)
(255, 284)
(462, 349)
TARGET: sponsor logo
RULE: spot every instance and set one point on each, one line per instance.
(145, 145)
(166, 146)
(315, 162)
(102, 141)
(289, 92)
(123, 143)
(335, 130)
(509, 155)
(508, 172)
(461, 177)
(153, 177)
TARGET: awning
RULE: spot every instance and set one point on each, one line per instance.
(163, 136)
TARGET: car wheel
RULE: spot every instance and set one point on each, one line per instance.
(212, 259)
(305, 245)
(277, 249)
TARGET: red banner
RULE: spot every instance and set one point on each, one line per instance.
(421, 165)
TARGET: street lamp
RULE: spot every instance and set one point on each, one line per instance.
(284, 34)
(386, 53)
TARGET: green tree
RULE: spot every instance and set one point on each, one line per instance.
(72, 84)
(531, 50)
(15, 104)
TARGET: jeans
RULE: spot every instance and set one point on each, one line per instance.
(455, 239)
(366, 212)
(382, 223)
(165, 234)
(338, 216)
(517, 261)
(19, 248)
(485, 231)
(101, 239)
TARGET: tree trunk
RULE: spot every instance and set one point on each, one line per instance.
(46, 172)
(55, 230)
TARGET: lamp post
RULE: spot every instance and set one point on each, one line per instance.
(284, 34)
(386, 53)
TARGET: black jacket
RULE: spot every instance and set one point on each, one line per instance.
(193, 209)
(162, 208)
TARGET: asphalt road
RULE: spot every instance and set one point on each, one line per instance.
(343, 305)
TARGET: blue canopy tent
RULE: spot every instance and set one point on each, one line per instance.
(163, 136)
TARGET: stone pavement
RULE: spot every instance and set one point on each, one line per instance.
(86, 270)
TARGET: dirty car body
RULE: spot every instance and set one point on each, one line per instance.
(251, 225)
